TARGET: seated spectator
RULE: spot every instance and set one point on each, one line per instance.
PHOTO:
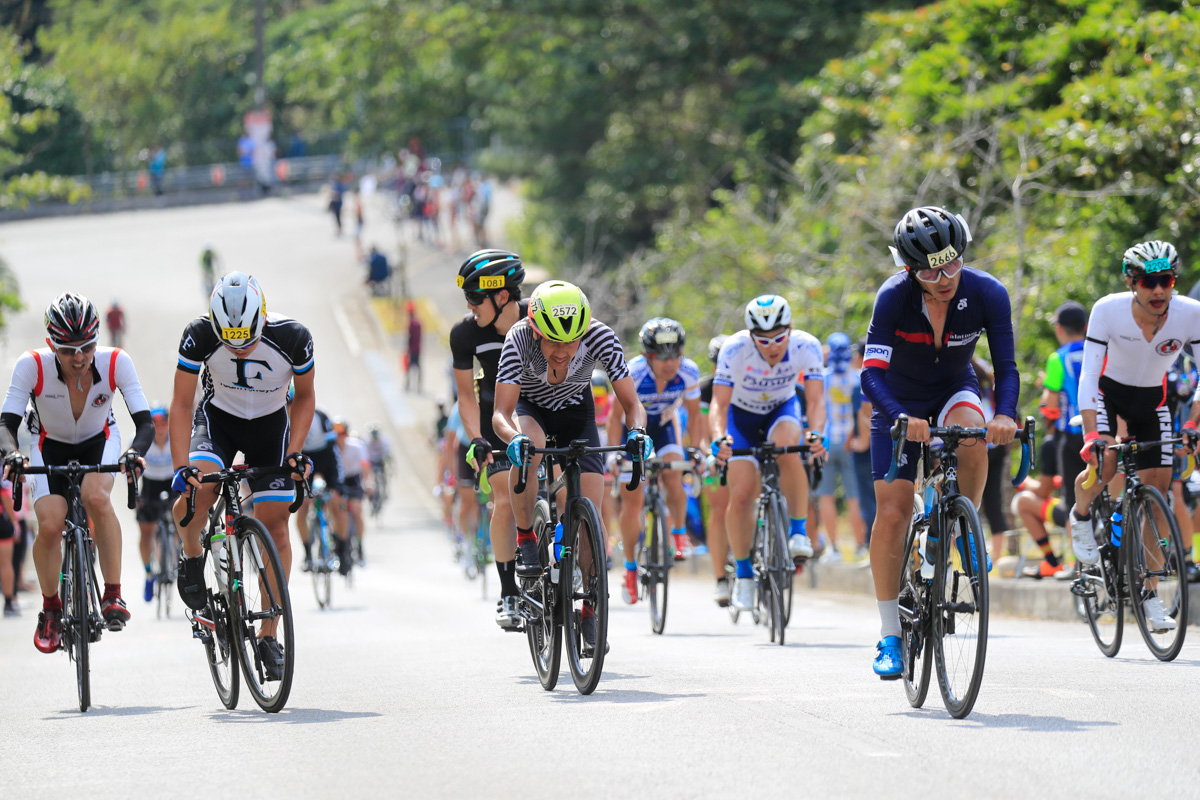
(378, 270)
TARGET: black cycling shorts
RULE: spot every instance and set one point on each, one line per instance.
(328, 464)
(150, 502)
(566, 425)
(352, 488)
(1144, 409)
(218, 436)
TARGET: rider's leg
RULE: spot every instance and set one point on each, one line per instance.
(273, 514)
(51, 511)
(96, 493)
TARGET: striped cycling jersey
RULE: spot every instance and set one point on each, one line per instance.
(522, 364)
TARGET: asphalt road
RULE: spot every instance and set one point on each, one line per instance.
(407, 687)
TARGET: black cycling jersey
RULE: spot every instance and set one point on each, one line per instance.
(469, 342)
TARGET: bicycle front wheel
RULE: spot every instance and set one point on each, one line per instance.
(539, 601)
(960, 607)
(914, 615)
(168, 566)
(218, 642)
(76, 626)
(657, 556)
(584, 583)
(262, 616)
(789, 564)
(322, 567)
(1155, 561)
(778, 561)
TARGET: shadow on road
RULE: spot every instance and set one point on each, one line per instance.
(620, 696)
(108, 711)
(1022, 722)
(290, 716)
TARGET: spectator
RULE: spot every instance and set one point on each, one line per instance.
(412, 357)
(158, 168)
(337, 190)
(245, 153)
(483, 205)
(378, 272)
(209, 268)
(840, 380)
(114, 320)
(861, 448)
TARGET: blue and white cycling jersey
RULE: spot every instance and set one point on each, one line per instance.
(759, 387)
(661, 406)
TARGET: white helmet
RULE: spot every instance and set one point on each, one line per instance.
(237, 310)
(768, 312)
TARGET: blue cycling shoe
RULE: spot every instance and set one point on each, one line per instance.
(148, 592)
(962, 554)
(888, 665)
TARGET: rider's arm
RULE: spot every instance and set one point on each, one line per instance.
(179, 421)
(304, 405)
(24, 379)
(135, 400)
(814, 398)
(696, 434)
(999, 326)
(634, 413)
(507, 395)
(1095, 346)
(468, 404)
(718, 410)
(878, 356)
(616, 416)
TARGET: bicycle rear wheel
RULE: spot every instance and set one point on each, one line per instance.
(914, 616)
(263, 609)
(1098, 587)
(960, 607)
(540, 602)
(656, 558)
(584, 581)
(168, 566)
(1155, 560)
(218, 639)
(322, 567)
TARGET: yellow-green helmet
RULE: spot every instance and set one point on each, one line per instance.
(559, 311)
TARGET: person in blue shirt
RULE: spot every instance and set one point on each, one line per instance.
(840, 383)
(922, 336)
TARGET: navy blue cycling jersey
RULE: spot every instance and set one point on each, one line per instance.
(901, 362)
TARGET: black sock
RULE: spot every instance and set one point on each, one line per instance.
(508, 578)
(1052, 559)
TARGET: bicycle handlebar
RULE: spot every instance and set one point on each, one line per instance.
(576, 450)
(241, 472)
(1099, 446)
(770, 449)
(71, 470)
(955, 434)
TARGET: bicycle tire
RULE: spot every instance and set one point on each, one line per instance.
(75, 624)
(583, 550)
(222, 659)
(960, 609)
(1104, 607)
(322, 568)
(1171, 586)
(482, 549)
(915, 649)
(260, 563)
(168, 566)
(789, 563)
(542, 628)
(658, 555)
(778, 560)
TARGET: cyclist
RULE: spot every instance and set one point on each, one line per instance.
(64, 393)
(718, 495)
(353, 453)
(156, 480)
(249, 358)
(754, 400)
(664, 381)
(544, 388)
(379, 453)
(320, 448)
(456, 449)
(491, 284)
(1132, 340)
(209, 267)
(922, 336)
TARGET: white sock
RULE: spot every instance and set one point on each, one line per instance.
(889, 617)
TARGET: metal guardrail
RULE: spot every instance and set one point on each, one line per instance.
(107, 186)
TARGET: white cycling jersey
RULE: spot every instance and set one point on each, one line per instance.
(354, 453)
(1116, 348)
(759, 387)
(38, 392)
(159, 465)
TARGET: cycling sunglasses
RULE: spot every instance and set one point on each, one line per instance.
(476, 298)
(76, 350)
(935, 275)
(1164, 279)
(767, 341)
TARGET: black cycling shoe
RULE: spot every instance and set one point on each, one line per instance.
(270, 652)
(587, 632)
(192, 589)
(344, 558)
(528, 563)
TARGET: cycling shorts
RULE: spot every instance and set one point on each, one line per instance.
(151, 503)
(1054, 511)
(327, 462)
(1145, 413)
(566, 425)
(748, 429)
(352, 488)
(7, 530)
(100, 449)
(963, 393)
(218, 436)
(666, 435)
(463, 471)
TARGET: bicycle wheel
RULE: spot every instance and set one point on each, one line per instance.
(1155, 566)
(168, 567)
(218, 639)
(262, 609)
(584, 581)
(960, 607)
(777, 560)
(322, 567)
(789, 564)
(539, 604)
(76, 637)
(914, 615)
(656, 558)
(1099, 586)
(483, 553)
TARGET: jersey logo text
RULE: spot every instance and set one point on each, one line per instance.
(242, 378)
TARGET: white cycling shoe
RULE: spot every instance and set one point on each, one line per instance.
(1084, 543)
(799, 546)
(743, 594)
(1156, 616)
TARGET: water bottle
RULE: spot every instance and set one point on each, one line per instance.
(926, 561)
(930, 498)
(1117, 524)
(556, 552)
(217, 545)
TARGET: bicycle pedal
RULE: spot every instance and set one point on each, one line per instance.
(1080, 590)
(114, 625)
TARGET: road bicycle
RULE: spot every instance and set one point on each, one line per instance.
(944, 597)
(325, 561)
(774, 567)
(477, 551)
(569, 599)
(166, 569)
(247, 593)
(78, 589)
(379, 490)
(1141, 554)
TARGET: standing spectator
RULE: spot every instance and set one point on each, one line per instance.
(860, 447)
(337, 190)
(209, 267)
(483, 205)
(412, 361)
(10, 529)
(245, 154)
(358, 218)
(264, 165)
(158, 168)
(840, 381)
(114, 320)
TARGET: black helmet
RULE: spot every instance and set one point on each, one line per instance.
(1152, 256)
(930, 237)
(714, 347)
(490, 270)
(71, 317)
(662, 338)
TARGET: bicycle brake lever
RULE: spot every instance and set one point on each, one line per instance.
(191, 507)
